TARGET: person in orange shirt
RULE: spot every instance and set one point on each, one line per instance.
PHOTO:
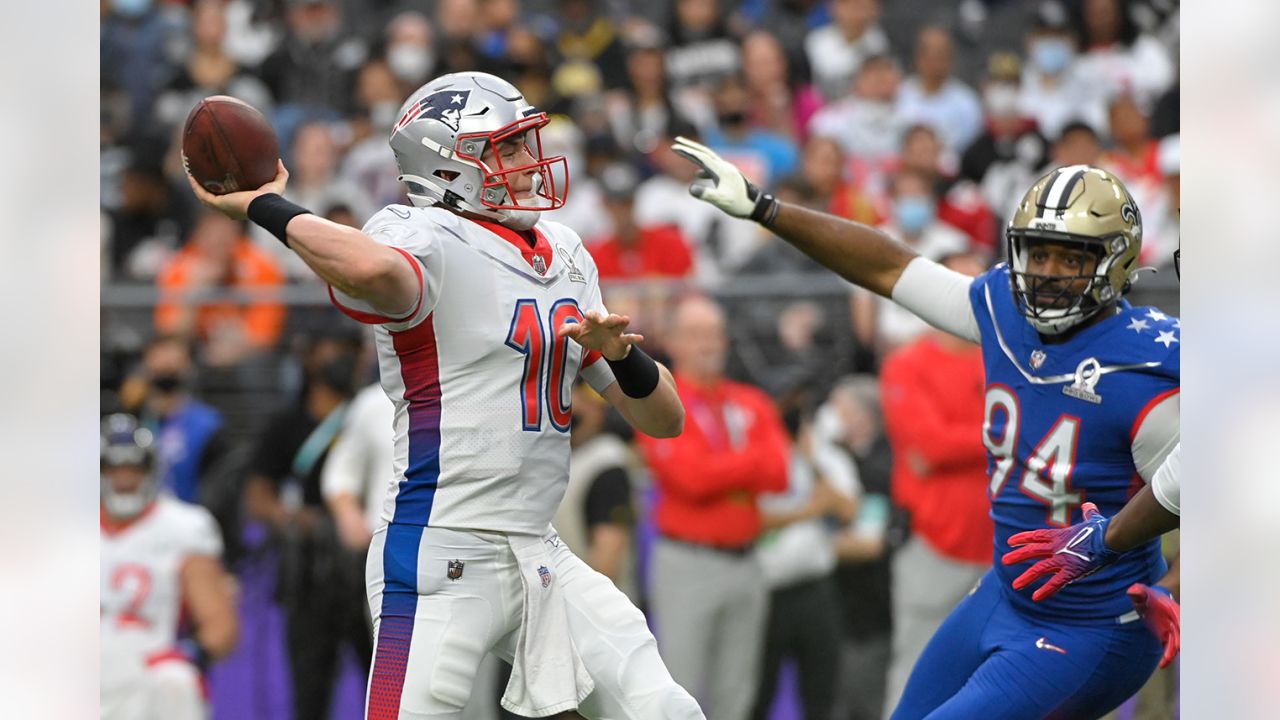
(708, 595)
(219, 257)
(932, 394)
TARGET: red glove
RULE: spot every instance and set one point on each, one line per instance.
(1066, 554)
(1162, 614)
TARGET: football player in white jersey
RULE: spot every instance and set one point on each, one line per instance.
(475, 303)
(160, 559)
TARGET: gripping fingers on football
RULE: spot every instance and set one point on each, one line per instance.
(236, 204)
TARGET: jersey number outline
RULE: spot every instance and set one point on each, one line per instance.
(139, 577)
(545, 365)
(1047, 475)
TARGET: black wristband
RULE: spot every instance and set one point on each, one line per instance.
(766, 209)
(273, 213)
(637, 373)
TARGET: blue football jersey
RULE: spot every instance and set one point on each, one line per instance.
(1059, 426)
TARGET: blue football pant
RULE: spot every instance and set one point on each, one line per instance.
(989, 661)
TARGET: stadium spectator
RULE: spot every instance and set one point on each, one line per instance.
(837, 50)
(643, 111)
(146, 224)
(316, 590)
(822, 166)
(797, 554)
(934, 97)
(851, 420)
(708, 602)
(866, 123)
(881, 323)
(769, 155)
(314, 182)
(1006, 158)
(410, 53)
(354, 476)
(721, 245)
(932, 392)
(220, 258)
(589, 40)
(369, 163)
(141, 48)
(1077, 145)
(1135, 158)
(1054, 90)
(632, 251)
(780, 102)
(1119, 58)
(188, 433)
(209, 70)
(584, 209)
(314, 65)
(960, 201)
(1167, 224)
(597, 517)
(701, 53)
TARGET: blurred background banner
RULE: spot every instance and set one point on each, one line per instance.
(925, 117)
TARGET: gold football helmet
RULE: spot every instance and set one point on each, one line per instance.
(1081, 206)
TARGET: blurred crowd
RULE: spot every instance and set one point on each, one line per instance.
(927, 118)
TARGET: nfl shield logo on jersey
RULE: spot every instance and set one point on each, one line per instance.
(1037, 359)
(539, 264)
(545, 574)
(455, 569)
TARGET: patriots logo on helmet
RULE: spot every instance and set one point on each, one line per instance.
(445, 106)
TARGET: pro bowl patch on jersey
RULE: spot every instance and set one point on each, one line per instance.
(545, 575)
(1088, 373)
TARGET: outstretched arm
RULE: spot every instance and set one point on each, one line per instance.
(349, 260)
(859, 253)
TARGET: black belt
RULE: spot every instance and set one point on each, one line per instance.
(736, 550)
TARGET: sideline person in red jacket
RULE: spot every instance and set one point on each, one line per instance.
(932, 394)
(708, 597)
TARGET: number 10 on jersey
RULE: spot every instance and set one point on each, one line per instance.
(545, 363)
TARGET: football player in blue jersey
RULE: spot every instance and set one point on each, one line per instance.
(1081, 406)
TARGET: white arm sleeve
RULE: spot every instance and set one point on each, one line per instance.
(413, 233)
(939, 296)
(1167, 484)
(1156, 436)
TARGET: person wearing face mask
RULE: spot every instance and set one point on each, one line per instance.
(914, 221)
(1006, 157)
(189, 437)
(769, 154)
(167, 605)
(410, 49)
(1053, 91)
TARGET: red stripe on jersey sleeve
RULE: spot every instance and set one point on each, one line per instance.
(590, 358)
(369, 318)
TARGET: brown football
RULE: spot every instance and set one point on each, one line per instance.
(229, 146)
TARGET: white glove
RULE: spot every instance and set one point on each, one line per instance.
(722, 184)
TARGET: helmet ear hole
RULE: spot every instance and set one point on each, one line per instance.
(447, 175)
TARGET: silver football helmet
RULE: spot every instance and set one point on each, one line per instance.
(126, 443)
(441, 140)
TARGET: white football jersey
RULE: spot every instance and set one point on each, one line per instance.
(141, 591)
(481, 384)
